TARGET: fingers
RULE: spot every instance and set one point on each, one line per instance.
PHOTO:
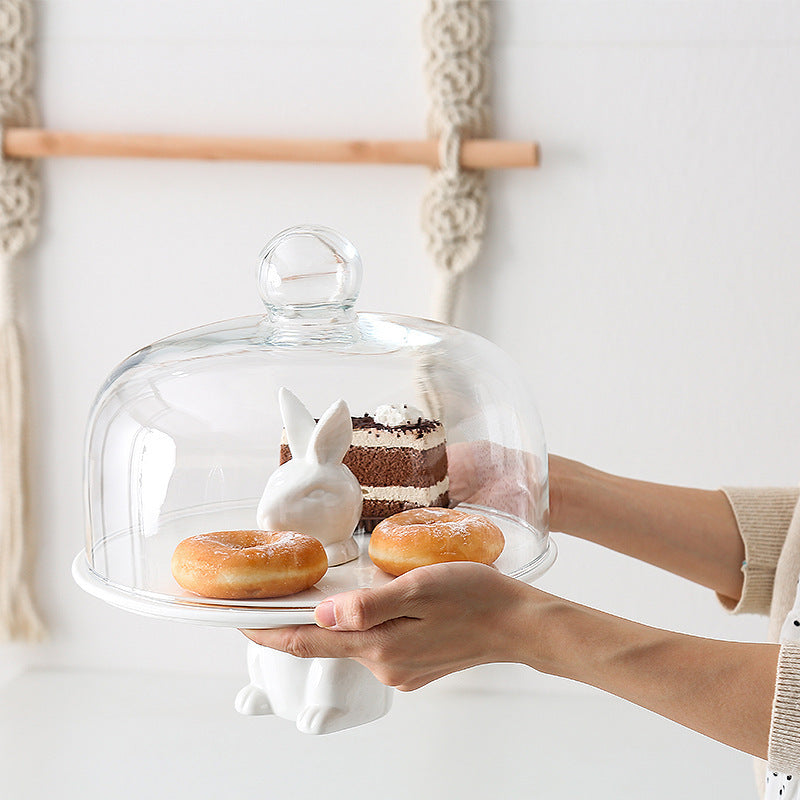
(306, 641)
(367, 608)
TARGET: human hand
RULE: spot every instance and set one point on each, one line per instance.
(428, 623)
(484, 473)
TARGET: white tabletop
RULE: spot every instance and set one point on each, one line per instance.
(91, 735)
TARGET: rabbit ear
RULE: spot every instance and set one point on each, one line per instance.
(298, 422)
(332, 436)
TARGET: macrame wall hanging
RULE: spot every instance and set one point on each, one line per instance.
(456, 38)
(19, 212)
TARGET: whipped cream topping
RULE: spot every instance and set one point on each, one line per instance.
(394, 415)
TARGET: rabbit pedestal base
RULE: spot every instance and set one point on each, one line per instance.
(320, 695)
(342, 552)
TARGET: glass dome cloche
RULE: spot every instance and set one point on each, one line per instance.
(192, 434)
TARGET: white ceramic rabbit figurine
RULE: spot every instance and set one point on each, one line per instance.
(314, 493)
(321, 695)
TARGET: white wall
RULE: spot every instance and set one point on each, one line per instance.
(645, 278)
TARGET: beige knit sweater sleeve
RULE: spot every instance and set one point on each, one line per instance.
(784, 734)
(769, 524)
(763, 517)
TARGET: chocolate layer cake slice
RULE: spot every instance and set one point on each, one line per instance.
(401, 463)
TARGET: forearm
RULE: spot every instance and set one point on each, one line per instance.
(437, 620)
(721, 689)
(690, 532)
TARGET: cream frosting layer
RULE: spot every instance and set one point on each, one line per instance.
(388, 439)
(423, 495)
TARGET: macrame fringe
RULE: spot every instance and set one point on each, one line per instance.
(445, 294)
(19, 214)
(18, 618)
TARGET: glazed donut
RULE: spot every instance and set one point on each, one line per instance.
(423, 536)
(238, 565)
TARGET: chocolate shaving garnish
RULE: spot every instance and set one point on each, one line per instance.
(421, 425)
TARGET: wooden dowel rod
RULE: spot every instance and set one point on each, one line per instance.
(475, 153)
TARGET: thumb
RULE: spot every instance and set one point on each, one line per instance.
(363, 609)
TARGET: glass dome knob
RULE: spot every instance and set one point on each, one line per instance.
(309, 271)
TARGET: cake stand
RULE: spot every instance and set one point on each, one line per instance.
(319, 695)
(184, 434)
